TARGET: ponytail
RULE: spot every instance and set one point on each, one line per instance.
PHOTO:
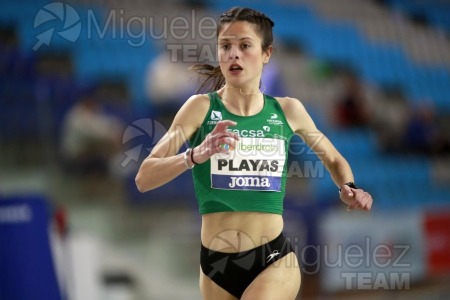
(214, 78)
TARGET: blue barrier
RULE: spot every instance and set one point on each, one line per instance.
(27, 270)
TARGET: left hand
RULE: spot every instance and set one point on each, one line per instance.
(355, 198)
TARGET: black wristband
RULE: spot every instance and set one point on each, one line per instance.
(350, 184)
(192, 157)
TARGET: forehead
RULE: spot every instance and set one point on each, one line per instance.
(238, 30)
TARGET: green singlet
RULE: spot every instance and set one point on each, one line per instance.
(252, 177)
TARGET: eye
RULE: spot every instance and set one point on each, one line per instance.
(225, 46)
(245, 46)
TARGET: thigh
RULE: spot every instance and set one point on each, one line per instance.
(281, 280)
(211, 291)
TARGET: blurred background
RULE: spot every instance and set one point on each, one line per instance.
(88, 87)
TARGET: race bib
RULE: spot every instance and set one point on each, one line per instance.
(256, 164)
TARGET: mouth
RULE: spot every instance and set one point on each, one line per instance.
(235, 68)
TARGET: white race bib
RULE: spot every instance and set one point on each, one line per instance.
(256, 164)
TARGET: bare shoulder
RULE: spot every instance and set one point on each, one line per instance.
(199, 101)
(288, 104)
(193, 110)
(296, 114)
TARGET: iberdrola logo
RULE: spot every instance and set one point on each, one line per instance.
(68, 25)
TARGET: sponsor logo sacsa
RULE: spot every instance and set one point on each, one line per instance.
(248, 133)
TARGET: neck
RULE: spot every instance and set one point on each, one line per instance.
(240, 101)
(243, 91)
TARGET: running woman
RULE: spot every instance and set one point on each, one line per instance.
(238, 139)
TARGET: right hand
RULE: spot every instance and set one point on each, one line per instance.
(213, 141)
(355, 198)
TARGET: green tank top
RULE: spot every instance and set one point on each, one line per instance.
(251, 177)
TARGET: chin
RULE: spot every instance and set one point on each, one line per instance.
(235, 81)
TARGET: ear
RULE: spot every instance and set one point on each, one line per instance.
(267, 54)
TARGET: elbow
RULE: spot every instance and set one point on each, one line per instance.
(144, 179)
(140, 184)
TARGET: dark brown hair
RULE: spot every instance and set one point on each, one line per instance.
(214, 78)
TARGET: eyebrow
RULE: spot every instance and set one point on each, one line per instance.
(241, 39)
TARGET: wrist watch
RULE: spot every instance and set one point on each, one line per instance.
(350, 184)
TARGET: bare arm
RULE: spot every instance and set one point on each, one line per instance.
(302, 124)
(164, 164)
(340, 171)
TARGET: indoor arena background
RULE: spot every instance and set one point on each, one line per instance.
(88, 87)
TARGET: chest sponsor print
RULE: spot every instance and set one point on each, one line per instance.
(256, 164)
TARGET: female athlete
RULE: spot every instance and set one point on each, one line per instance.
(238, 138)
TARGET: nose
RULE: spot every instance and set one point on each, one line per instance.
(234, 53)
